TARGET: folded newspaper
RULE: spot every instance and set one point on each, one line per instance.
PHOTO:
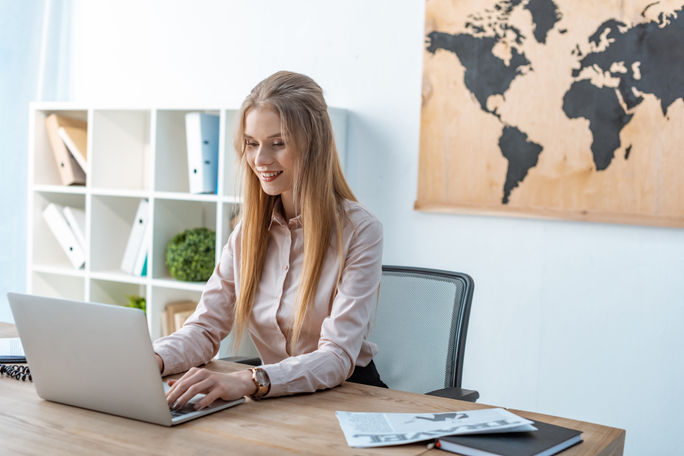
(383, 429)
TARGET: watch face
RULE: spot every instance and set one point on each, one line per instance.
(261, 377)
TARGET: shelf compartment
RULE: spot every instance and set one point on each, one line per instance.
(121, 149)
(111, 222)
(171, 157)
(170, 218)
(44, 166)
(114, 292)
(46, 250)
(58, 285)
(159, 297)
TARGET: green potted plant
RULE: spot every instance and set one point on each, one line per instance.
(190, 255)
(137, 302)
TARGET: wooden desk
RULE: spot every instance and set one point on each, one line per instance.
(303, 424)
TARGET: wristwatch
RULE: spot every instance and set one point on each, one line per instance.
(262, 382)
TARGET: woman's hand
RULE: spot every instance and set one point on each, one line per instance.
(214, 385)
(160, 362)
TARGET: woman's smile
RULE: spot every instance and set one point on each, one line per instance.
(269, 176)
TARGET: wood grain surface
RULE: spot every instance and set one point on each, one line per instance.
(302, 424)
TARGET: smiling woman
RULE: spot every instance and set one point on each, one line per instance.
(268, 156)
(300, 271)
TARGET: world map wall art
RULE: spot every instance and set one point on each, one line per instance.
(570, 109)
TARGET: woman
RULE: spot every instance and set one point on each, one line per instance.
(300, 271)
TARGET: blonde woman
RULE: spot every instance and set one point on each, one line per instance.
(300, 271)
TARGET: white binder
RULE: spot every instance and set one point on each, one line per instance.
(141, 257)
(76, 220)
(136, 239)
(76, 141)
(65, 237)
(202, 137)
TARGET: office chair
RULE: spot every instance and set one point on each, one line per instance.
(420, 328)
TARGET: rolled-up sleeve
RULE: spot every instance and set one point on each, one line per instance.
(200, 337)
(344, 330)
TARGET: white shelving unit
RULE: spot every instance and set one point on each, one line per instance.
(133, 153)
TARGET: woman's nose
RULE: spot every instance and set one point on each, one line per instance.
(263, 156)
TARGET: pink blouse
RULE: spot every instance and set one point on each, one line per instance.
(333, 338)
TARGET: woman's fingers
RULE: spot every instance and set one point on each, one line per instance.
(179, 387)
(214, 385)
(203, 386)
(209, 399)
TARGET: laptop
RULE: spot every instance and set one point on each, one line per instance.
(98, 357)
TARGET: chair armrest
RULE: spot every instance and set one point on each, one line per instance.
(243, 360)
(456, 393)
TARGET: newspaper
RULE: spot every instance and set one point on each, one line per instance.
(383, 429)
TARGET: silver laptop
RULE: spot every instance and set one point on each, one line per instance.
(96, 356)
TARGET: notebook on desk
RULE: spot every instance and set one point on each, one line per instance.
(96, 356)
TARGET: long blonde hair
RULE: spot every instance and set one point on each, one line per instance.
(319, 191)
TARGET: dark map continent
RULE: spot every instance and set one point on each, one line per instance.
(545, 15)
(599, 105)
(522, 155)
(485, 73)
(657, 50)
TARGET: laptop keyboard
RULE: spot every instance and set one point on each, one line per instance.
(187, 408)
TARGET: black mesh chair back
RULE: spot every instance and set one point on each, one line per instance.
(420, 327)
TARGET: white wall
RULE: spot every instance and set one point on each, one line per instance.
(573, 319)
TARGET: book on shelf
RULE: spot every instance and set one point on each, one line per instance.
(57, 223)
(547, 440)
(76, 219)
(174, 315)
(135, 253)
(75, 138)
(202, 137)
(70, 172)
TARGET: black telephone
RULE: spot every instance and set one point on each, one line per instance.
(22, 373)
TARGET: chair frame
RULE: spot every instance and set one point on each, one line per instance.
(459, 326)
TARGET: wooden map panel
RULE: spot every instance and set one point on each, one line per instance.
(554, 108)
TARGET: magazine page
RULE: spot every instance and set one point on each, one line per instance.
(384, 429)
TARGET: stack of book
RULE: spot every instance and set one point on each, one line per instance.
(68, 140)
(68, 226)
(134, 260)
(174, 315)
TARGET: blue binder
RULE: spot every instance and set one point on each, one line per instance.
(202, 134)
